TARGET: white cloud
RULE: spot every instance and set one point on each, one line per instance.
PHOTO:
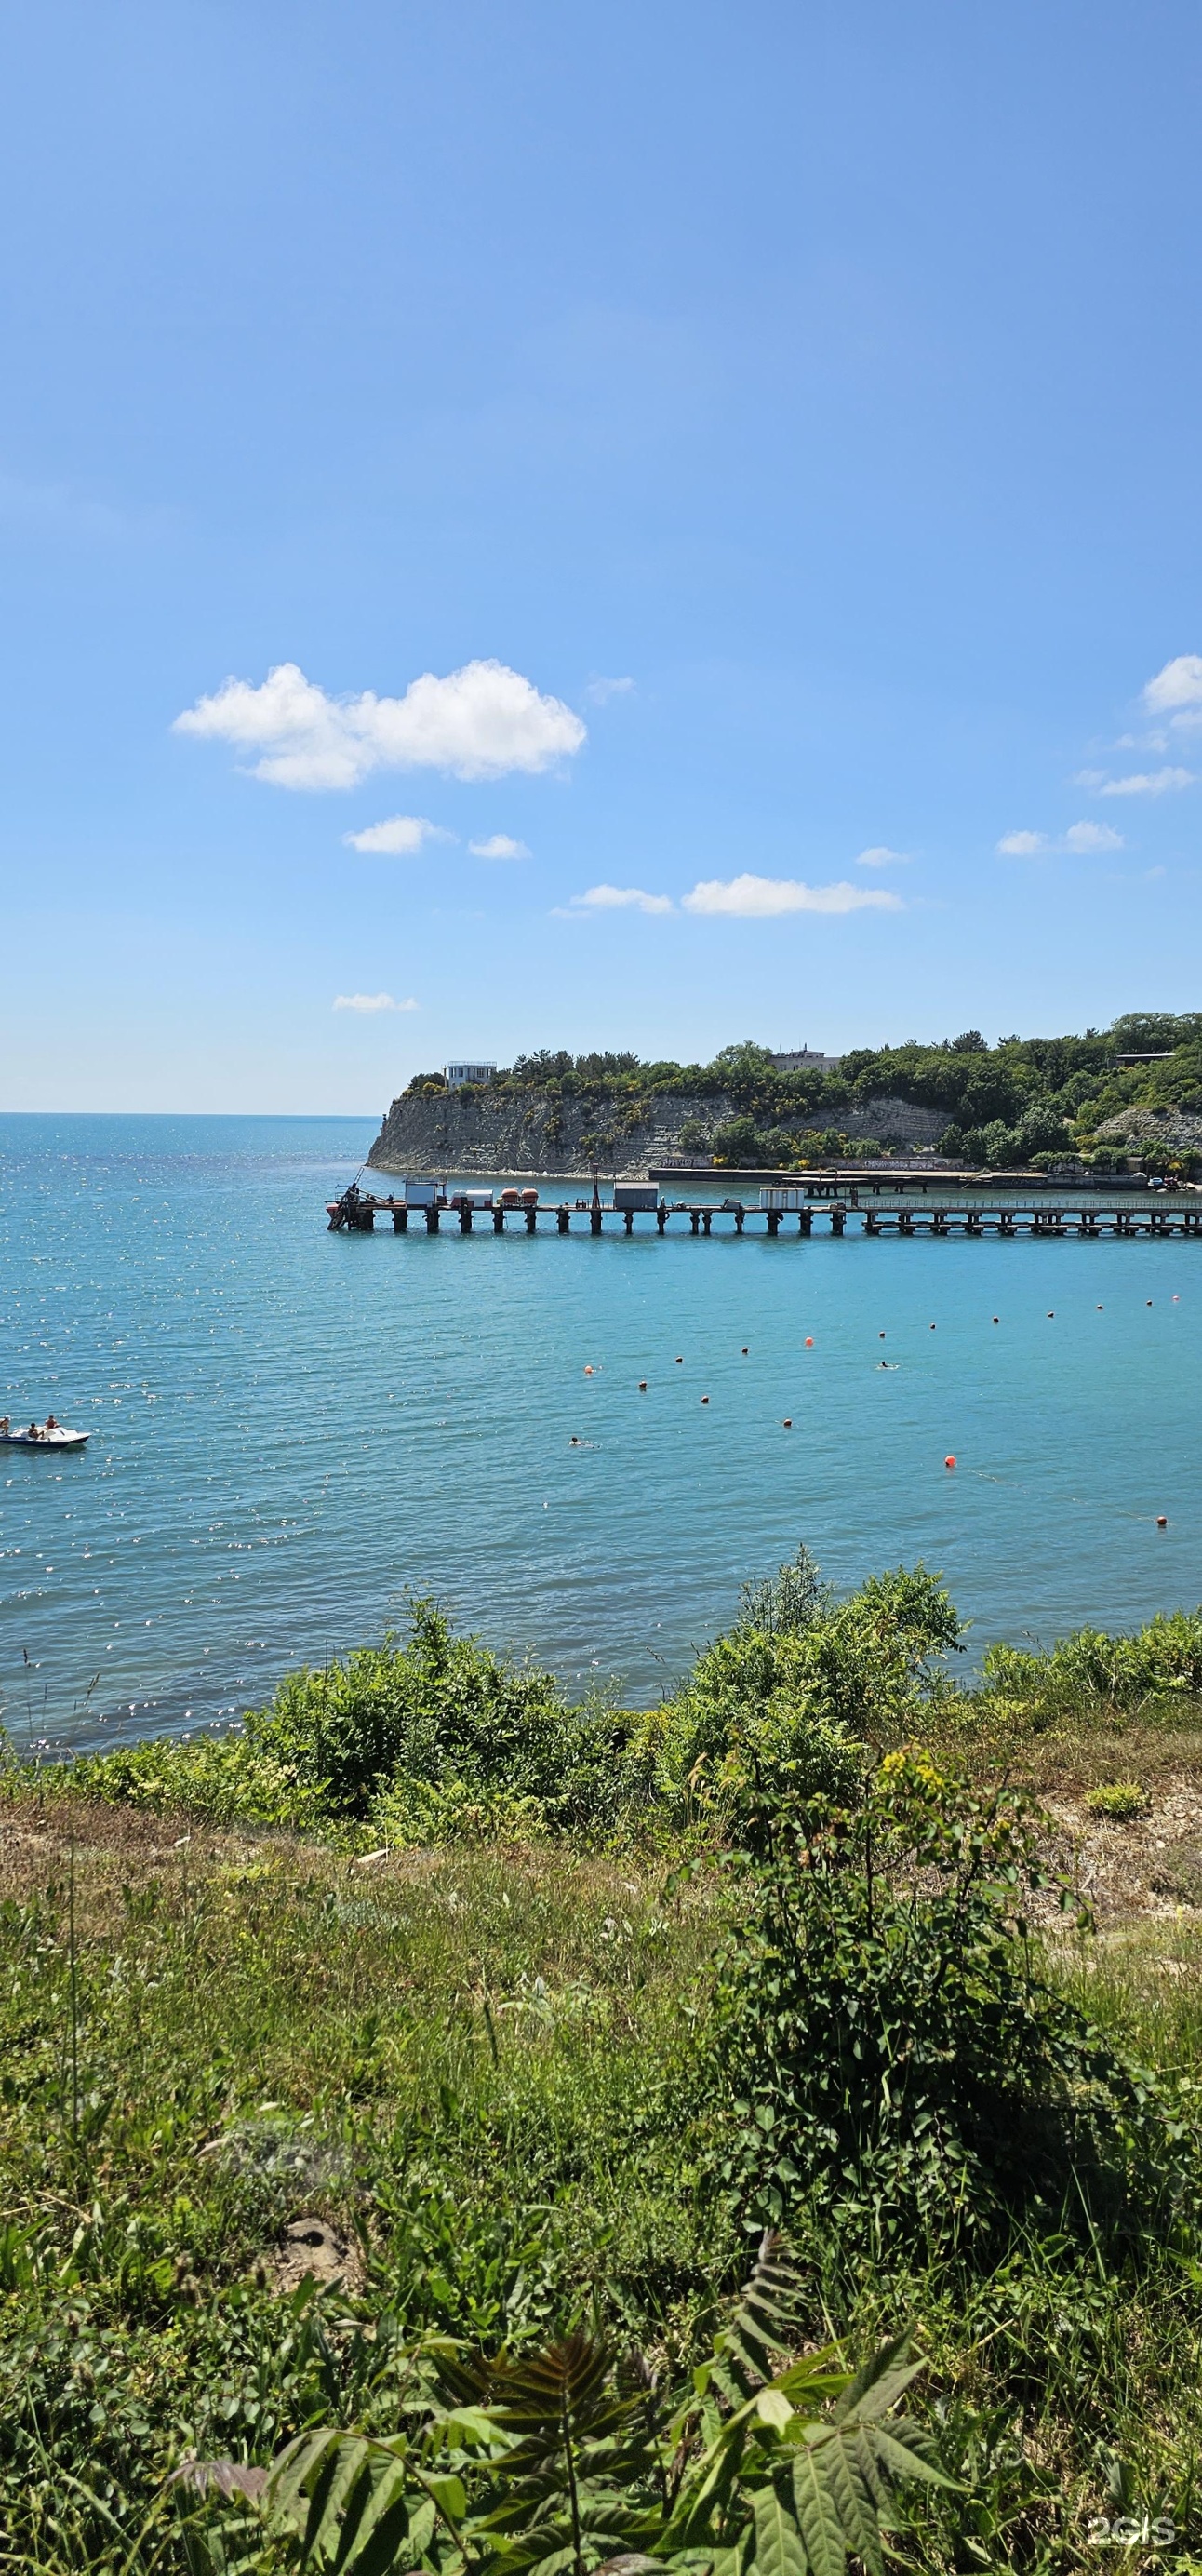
(599, 691)
(1155, 782)
(881, 856)
(607, 898)
(760, 898)
(401, 837)
(481, 722)
(1176, 692)
(1084, 838)
(372, 1002)
(1081, 839)
(499, 846)
(1089, 778)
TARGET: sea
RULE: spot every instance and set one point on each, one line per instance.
(295, 1433)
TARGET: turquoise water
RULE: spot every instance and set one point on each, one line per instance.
(291, 1430)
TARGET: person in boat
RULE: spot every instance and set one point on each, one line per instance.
(33, 1432)
(51, 1424)
(5, 1426)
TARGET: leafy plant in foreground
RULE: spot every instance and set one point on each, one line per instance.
(895, 2057)
(565, 2461)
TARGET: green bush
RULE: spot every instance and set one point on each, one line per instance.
(1092, 1671)
(788, 1701)
(892, 2054)
(433, 1737)
(1119, 1801)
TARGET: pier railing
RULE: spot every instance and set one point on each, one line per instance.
(1154, 1213)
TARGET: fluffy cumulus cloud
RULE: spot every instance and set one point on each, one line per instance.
(367, 1003)
(607, 898)
(1082, 840)
(401, 837)
(1149, 782)
(484, 721)
(881, 856)
(498, 846)
(1176, 692)
(758, 898)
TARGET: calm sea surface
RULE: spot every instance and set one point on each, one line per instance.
(293, 1430)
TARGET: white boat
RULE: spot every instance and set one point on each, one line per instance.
(40, 1438)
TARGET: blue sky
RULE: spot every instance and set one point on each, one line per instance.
(744, 457)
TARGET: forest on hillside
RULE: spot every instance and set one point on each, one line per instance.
(1039, 1100)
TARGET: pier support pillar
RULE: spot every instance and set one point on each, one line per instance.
(432, 1220)
(694, 1218)
(561, 1219)
(628, 1214)
(838, 1219)
(972, 1222)
(872, 1223)
(805, 1220)
(707, 1215)
(400, 1220)
(661, 1217)
(465, 1220)
(905, 1222)
(498, 1220)
(531, 1217)
(774, 1217)
(594, 1220)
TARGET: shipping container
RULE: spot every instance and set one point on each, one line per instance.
(642, 1195)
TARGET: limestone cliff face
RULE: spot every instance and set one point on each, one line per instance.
(527, 1132)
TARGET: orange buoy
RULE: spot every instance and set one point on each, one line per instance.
(809, 1341)
(787, 1424)
(588, 1372)
(949, 1461)
(1162, 1520)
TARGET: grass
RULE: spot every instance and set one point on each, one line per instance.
(484, 2069)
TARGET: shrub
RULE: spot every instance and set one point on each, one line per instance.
(790, 1698)
(1093, 1671)
(434, 1735)
(892, 2055)
(1119, 1801)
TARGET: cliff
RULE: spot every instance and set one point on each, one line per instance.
(531, 1132)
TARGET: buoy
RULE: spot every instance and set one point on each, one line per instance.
(809, 1341)
(932, 1328)
(1176, 1301)
(995, 1319)
(787, 1424)
(744, 1350)
(1147, 1301)
(705, 1399)
(1051, 1314)
(588, 1372)
(642, 1386)
(880, 1337)
(679, 1361)
(1162, 1520)
(1099, 1310)
(949, 1461)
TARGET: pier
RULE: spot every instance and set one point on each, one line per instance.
(853, 1212)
